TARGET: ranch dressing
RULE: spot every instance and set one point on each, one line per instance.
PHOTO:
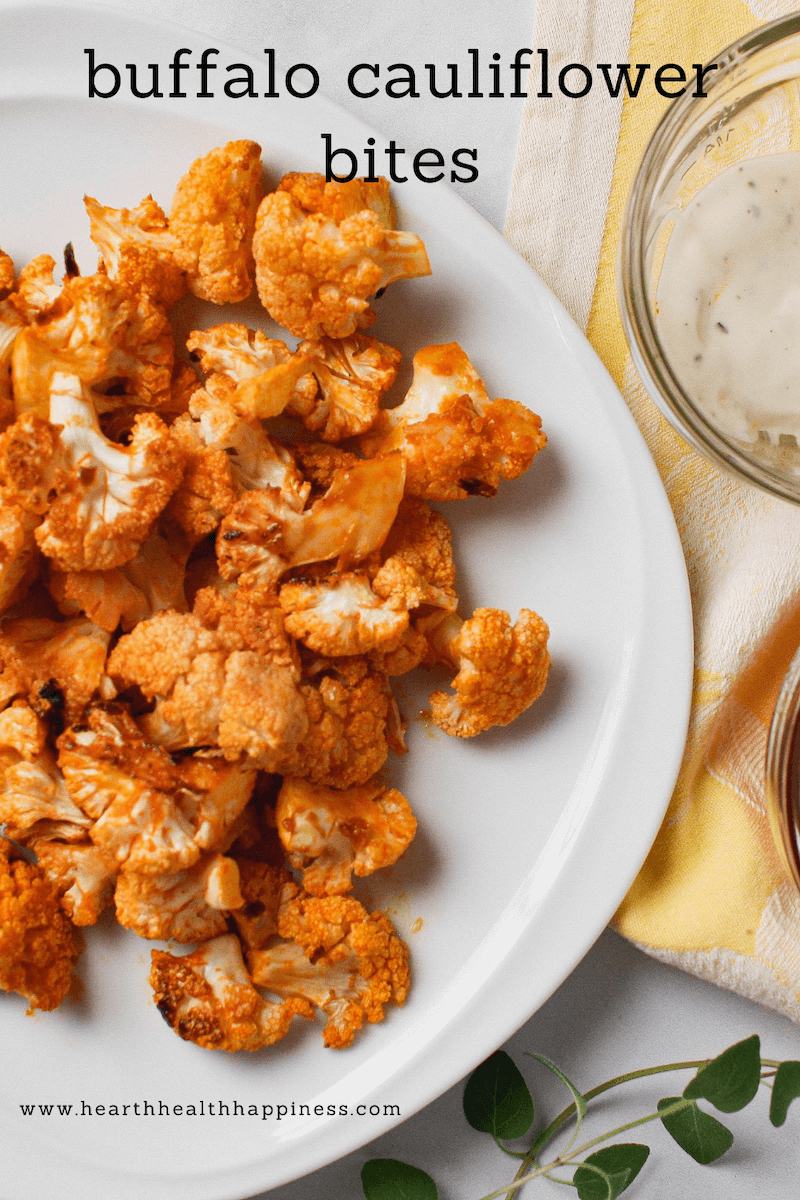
(728, 304)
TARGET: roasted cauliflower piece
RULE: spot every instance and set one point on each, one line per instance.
(417, 569)
(6, 274)
(103, 498)
(256, 375)
(182, 906)
(332, 835)
(34, 802)
(341, 395)
(58, 666)
(38, 945)
(19, 554)
(137, 249)
(502, 669)
(82, 875)
(348, 963)
(456, 442)
(212, 219)
(263, 537)
(117, 343)
(322, 248)
(262, 887)
(207, 998)
(342, 615)
(153, 580)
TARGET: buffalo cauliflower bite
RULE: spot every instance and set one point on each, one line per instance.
(27, 450)
(107, 497)
(502, 669)
(348, 963)
(57, 666)
(127, 787)
(34, 801)
(182, 906)
(257, 375)
(118, 344)
(262, 887)
(263, 537)
(151, 581)
(6, 274)
(38, 945)
(341, 615)
(347, 707)
(207, 998)
(341, 395)
(456, 442)
(35, 292)
(331, 835)
(417, 568)
(137, 249)
(212, 219)
(83, 877)
(19, 554)
(322, 248)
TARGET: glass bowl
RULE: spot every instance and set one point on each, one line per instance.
(783, 771)
(751, 108)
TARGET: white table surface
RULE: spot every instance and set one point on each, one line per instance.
(619, 1010)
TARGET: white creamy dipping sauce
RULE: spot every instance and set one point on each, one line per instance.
(728, 307)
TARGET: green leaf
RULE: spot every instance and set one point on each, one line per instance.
(620, 1164)
(496, 1098)
(389, 1179)
(784, 1090)
(731, 1080)
(696, 1132)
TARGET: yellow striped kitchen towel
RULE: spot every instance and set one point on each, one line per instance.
(712, 897)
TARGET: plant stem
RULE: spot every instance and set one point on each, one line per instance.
(524, 1172)
(563, 1160)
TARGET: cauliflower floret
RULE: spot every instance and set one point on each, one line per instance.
(257, 375)
(331, 835)
(262, 537)
(38, 945)
(348, 963)
(213, 793)
(262, 714)
(34, 802)
(107, 497)
(10, 325)
(138, 249)
(150, 582)
(502, 669)
(183, 906)
(418, 568)
(262, 886)
(212, 219)
(322, 248)
(6, 274)
(27, 450)
(35, 291)
(456, 441)
(58, 666)
(348, 710)
(342, 615)
(83, 877)
(119, 344)
(19, 554)
(207, 998)
(126, 787)
(319, 462)
(341, 396)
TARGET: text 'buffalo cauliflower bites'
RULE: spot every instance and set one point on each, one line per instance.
(216, 551)
(322, 249)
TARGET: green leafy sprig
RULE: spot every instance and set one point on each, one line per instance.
(497, 1101)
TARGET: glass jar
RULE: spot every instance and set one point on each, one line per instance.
(751, 108)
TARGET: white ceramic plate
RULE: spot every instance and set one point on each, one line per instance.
(529, 836)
